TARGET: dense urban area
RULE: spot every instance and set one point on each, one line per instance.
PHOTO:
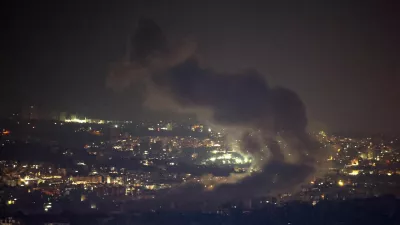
(69, 165)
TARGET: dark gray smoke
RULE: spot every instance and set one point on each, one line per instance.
(242, 100)
(148, 40)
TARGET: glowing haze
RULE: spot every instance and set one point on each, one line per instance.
(261, 116)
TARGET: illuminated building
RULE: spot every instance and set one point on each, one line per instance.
(108, 181)
(197, 127)
(169, 126)
(114, 180)
(96, 179)
(354, 172)
(73, 118)
(76, 120)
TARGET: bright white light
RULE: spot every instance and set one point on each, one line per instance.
(75, 121)
(116, 125)
(239, 161)
(227, 156)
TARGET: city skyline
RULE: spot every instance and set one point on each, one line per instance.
(200, 112)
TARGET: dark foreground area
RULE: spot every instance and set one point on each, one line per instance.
(374, 211)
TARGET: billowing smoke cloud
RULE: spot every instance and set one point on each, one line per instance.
(273, 119)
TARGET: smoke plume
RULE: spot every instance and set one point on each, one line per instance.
(272, 119)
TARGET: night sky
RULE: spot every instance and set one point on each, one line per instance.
(343, 60)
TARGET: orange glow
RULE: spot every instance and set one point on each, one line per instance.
(354, 172)
(6, 132)
(354, 162)
(96, 132)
